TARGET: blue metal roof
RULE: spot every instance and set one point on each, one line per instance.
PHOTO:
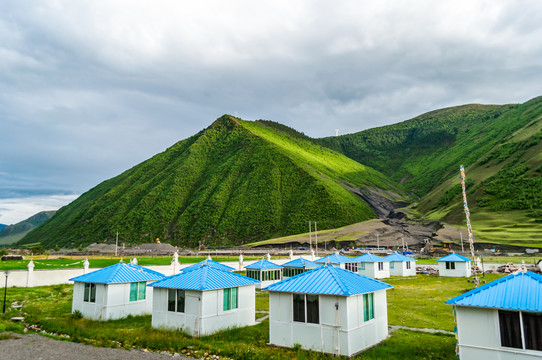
(454, 258)
(120, 273)
(203, 278)
(329, 280)
(368, 258)
(517, 291)
(263, 264)
(211, 263)
(398, 257)
(301, 263)
(334, 259)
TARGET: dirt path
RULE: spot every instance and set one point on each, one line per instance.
(37, 347)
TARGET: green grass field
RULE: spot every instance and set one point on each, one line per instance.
(414, 302)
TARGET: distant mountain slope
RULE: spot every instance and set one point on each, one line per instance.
(234, 182)
(12, 233)
(2, 226)
(424, 151)
(500, 147)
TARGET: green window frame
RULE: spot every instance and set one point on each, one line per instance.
(231, 299)
(138, 291)
(392, 265)
(89, 294)
(176, 300)
(368, 307)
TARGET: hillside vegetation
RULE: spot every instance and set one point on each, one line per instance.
(500, 147)
(233, 182)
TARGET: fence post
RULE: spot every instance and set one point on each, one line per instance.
(30, 274)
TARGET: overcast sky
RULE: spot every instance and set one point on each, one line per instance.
(90, 88)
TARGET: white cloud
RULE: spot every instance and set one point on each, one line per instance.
(15, 210)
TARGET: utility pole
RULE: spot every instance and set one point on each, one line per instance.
(116, 244)
(310, 236)
(377, 242)
(461, 235)
(316, 237)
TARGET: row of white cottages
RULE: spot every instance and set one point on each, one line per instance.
(322, 308)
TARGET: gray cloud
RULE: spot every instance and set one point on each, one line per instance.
(89, 89)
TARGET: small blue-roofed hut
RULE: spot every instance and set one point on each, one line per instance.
(211, 263)
(265, 271)
(114, 292)
(373, 266)
(401, 265)
(501, 319)
(298, 266)
(454, 265)
(336, 259)
(204, 300)
(329, 310)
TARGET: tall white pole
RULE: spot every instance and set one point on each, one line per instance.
(377, 242)
(316, 237)
(116, 243)
(310, 236)
(462, 249)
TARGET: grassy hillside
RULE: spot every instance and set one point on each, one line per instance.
(233, 182)
(500, 147)
(12, 233)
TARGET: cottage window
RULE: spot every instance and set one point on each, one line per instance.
(277, 274)
(532, 330)
(230, 299)
(380, 266)
(392, 265)
(362, 266)
(351, 266)
(510, 327)
(450, 265)
(90, 292)
(176, 300)
(306, 307)
(137, 291)
(368, 309)
(408, 265)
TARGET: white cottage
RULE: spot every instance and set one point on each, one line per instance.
(454, 265)
(265, 271)
(336, 259)
(298, 266)
(328, 310)
(204, 300)
(401, 265)
(501, 319)
(373, 266)
(114, 292)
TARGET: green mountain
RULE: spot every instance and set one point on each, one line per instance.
(500, 147)
(234, 182)
(10, 234)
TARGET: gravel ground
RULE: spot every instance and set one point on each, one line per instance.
(37, 347)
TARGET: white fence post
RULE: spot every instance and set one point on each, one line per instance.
(30, 274)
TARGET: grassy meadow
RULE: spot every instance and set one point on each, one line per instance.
(413, 302)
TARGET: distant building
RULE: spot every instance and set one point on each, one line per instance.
(204, 300)
(401, 265)
(114, 292)
(211, 263)
(298, 266)
(454, 265)
(372, 266)
(265, 271)
(336, 259)
(501, 319)
(329, 310)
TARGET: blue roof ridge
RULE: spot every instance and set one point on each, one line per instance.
(342, 285)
